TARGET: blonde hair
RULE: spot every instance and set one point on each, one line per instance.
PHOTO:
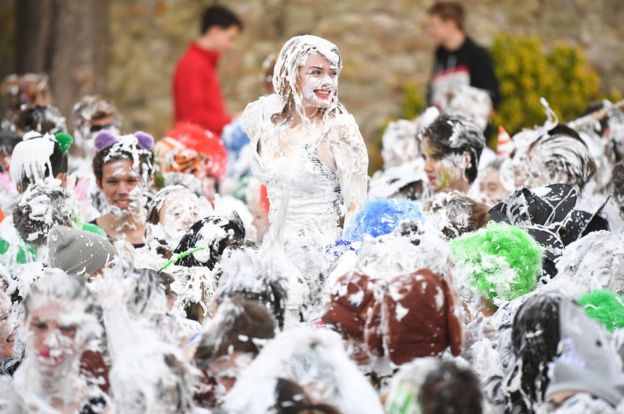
(293, 55)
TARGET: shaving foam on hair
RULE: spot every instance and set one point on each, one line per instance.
(293, 55)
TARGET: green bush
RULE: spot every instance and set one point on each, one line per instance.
(525, 73)
(413, 101)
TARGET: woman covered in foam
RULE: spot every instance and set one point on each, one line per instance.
(307, 148)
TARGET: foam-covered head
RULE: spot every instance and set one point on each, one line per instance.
(455, 214)
(617, 184)
(400, 143)
(246, 273)
(410, 247)
(418, 318)
(595, 261)
(41, 207)
(171, 213)
(93, 113)
(501, 261)
(453, 134)
(535, 336)
(291, 58)
(561, 157)
(316, 360)
(135, 147)
(472, 103)
(40, 118)
(405, 181)
(38, 157)
(207, 239)
(59, 322)
(239, 325)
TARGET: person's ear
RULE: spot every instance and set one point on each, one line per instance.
(467, 159)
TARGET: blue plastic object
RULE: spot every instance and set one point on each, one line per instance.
(379, 217)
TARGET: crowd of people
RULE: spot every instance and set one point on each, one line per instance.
(257, 268)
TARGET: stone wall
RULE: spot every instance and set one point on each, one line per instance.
(382, 41)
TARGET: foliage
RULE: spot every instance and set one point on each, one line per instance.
(413, 101)
(525, 73)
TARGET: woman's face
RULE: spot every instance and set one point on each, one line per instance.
(180, 210)
(120, 184)
(445, 171)
(318, 82)
(52, 334)
(7, 327)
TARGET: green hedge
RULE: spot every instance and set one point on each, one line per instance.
(526, 72)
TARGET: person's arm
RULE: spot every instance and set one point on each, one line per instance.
(482, 74)
(351, 158)
(198, 97)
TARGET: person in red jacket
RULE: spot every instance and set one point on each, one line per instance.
(196, 88)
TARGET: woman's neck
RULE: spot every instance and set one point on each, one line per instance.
(313, 114)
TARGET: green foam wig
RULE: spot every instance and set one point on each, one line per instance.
(606, 307)
(501, 261)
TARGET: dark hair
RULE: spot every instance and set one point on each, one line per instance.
(456, 135)
(146, 161)
(236, 327)
(617, 182)
(219, 16)
(234, 231)
(290, 398)
(412, 191)
(535, 336)
(451, 389)
(272, 295)
(8, 140)
(39, 118)
(455, 204)
(449, 10)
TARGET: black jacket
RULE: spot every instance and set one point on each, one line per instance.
(471, 64)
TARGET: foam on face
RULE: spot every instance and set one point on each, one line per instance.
(51, 365)
(293, 55)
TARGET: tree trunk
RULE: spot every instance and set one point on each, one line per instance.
(68, 39)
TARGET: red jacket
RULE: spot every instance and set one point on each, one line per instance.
(196, 90)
